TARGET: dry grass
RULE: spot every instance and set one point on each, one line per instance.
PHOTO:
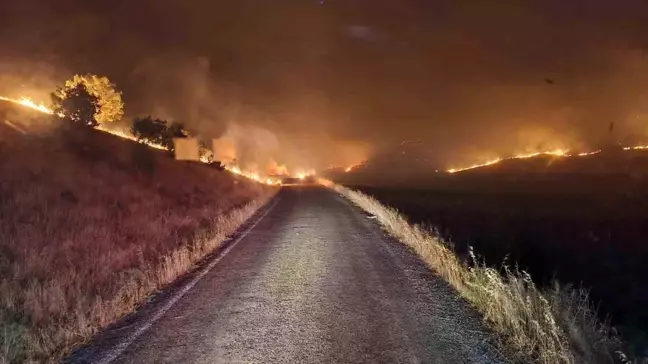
(90, 226)
(553, 326)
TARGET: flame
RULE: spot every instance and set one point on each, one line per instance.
(127, 135)
(277, 169)
(555, 153)
(252, 175)
(353, 166)
(26, 101)
(488, 163)
(636, 147)
(584, 154)
(282, 170)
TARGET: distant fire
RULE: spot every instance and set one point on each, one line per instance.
(584, 154)
(555, 153)
(637, 147)
(488, 163)
(277, 170)
(353, 166)
(127, 135)
(253, 175)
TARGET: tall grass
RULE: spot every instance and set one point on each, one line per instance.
(557, 325)
(87, 233)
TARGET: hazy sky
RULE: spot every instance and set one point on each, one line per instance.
(331, 78)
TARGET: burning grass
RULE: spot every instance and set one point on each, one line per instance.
(553, 326)
(91, 225)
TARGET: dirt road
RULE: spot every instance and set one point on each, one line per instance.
(315, 280)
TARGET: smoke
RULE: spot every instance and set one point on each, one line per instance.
(254, 146)
(314, 85)
(24, 76)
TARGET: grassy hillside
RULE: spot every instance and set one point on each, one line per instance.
(91, 225)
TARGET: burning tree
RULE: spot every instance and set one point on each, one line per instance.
(78, 105)
(110, 106)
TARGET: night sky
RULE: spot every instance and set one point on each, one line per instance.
(330, 80)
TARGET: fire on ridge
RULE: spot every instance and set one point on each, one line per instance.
(555, 153)
(27, 102)
(233, 168)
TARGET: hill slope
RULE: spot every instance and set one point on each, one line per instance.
(91, 225)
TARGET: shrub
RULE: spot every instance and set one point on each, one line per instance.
(77, 105)
(158, 131)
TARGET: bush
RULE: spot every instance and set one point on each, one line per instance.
(158, 131)
(110, 106)
(77, 105)
(150, 130)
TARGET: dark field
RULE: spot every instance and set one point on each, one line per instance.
(587, 229)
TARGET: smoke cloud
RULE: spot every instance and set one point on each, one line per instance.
(311, 84)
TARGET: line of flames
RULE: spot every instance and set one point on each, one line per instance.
(27, 102)
(554, 153)
(346, 169)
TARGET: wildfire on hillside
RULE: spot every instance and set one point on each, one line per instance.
(555, 153)
(636, 147)
(127, 135)
(278, 170)
(26, 101)
(346, 169)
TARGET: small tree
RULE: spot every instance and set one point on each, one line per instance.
(109, 105)
(150, 130)
(77, 104)
(158, 131)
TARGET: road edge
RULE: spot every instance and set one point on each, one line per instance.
(111, 342)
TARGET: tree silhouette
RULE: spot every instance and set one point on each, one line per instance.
(110, 104)
(157, 131)
(78, 105)
(149, 130)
